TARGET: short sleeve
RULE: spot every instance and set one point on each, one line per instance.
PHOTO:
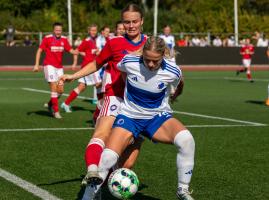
(43, 44)
(121, 66)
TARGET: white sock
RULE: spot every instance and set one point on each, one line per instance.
(108, 159)
(185, 157)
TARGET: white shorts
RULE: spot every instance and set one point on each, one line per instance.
(111, 106)
(91, 79)
(52, 74)
(246, 62)
(106, 80)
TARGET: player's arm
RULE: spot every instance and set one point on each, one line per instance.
(178, 90)
(267, 52)
(37, 60)
(75, 61)
(88, 69)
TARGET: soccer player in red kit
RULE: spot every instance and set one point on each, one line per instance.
(53, 45)
(89, 50)
(247, 50)
(112, 53)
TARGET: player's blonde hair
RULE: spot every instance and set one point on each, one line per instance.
(157, 44)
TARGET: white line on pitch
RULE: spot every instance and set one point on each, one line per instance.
(244, 79)
(29, 187)
(20, 79)
(220, 118)
(48, 92)
(220, 125)
(91, 128)
(179, 112)
(44, 129)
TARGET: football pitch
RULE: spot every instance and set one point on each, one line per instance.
(41, 157)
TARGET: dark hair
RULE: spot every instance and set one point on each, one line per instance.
(117, 23)
(165, 26)
(132, 8)
(57, 24)
(104, 27)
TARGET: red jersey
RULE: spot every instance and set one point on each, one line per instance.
(112, 53)
(246, 51)
(54, 48)
(89, 47)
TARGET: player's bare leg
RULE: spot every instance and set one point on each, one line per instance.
(72, 96)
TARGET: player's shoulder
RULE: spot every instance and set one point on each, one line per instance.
(131, 59)
(48, 36)
(171, 68)
(64, 37)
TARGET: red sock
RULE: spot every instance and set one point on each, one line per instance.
(54, 103)
(249, 76)
(71, 97)
(94, 151)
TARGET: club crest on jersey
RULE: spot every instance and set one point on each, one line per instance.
(62, 43)
(134, 78)
(120, 121)
(113, 107)
(160, 86)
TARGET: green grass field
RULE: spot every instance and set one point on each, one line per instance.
(225, 114)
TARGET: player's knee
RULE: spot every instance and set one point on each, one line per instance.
(184, 140)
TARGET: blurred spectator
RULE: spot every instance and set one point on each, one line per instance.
(27, 42)
(231, 41)
(262, 41)
(203, 42)
(195, 41)
(77, 42)
(169, 40)
(183, 42)
(217, 42)
(10, 34)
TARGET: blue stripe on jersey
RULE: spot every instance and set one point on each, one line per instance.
(172, 69)
(128, 59)
(144, 98)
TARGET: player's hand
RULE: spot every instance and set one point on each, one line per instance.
(65, 78)
(36, 68)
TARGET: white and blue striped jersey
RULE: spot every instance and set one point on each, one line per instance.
(169, 40)
(147, 92)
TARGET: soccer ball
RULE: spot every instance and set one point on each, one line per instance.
(123, 183)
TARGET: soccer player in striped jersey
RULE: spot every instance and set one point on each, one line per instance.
(114, 50)
(146, 111)
(53, 45)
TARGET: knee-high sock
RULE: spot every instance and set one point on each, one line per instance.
(93, 153)
(185, 157)
(108, 159)
(249, 74)
(72, 96)
(54, 101)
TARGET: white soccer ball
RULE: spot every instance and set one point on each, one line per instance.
(123, 183)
